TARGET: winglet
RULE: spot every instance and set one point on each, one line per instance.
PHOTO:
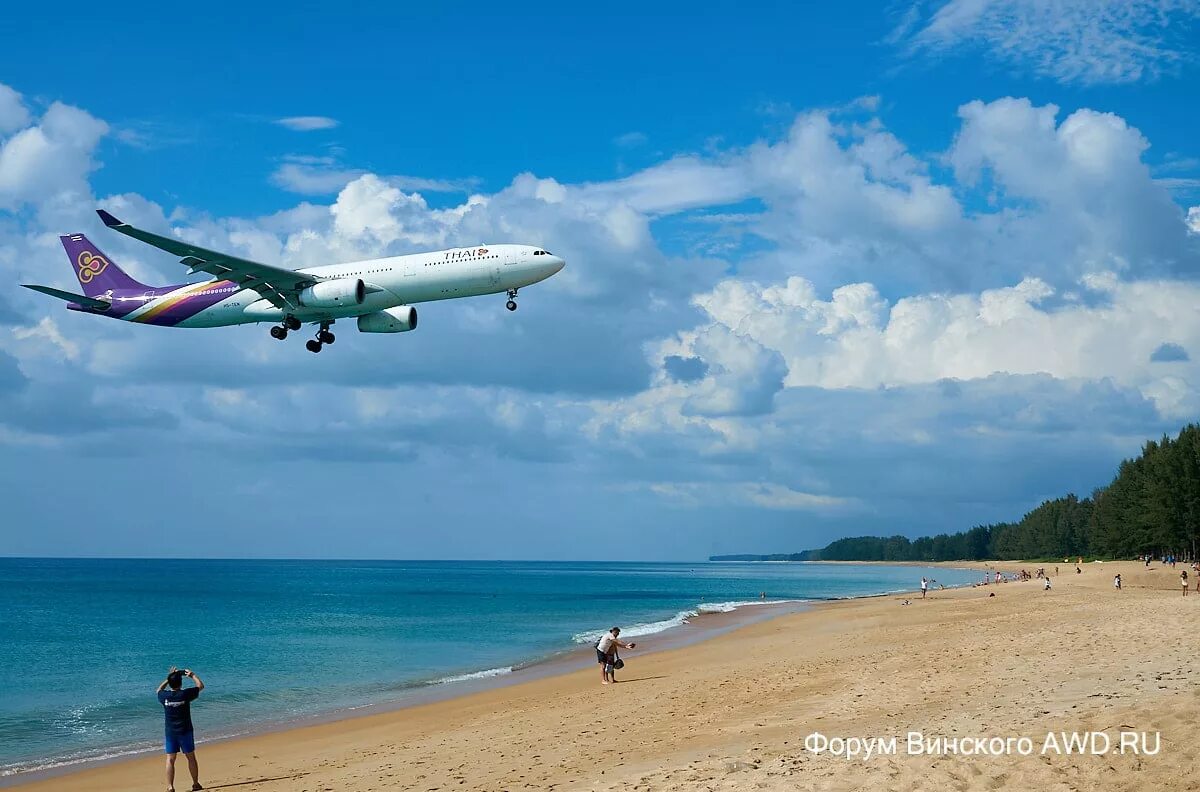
(108, 219)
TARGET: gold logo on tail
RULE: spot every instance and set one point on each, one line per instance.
(90, 265)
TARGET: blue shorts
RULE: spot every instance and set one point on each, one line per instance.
(174, 743)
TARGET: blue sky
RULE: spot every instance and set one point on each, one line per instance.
(834, 270)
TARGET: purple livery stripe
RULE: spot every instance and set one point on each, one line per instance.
(186, 304)
(168, 313)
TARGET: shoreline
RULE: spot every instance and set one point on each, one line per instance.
(714, 633)
(701, 622)
(702, 626)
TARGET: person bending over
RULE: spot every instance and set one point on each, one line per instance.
(177, 708)
(606, 654)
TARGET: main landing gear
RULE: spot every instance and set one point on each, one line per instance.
(280, 331)
(323, 337)
(512, 300)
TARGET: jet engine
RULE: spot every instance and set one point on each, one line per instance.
(400, 319)
(336, 293)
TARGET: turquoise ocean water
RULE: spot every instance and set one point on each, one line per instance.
(85, 642)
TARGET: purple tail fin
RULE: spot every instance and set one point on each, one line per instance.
(96, 272)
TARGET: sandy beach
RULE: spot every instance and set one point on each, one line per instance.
(733, 712)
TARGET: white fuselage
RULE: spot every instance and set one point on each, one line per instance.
(398, 280)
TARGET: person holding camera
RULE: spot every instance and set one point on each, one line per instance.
(606, 654)
(177, 708)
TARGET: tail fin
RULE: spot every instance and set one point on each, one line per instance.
(96, 272)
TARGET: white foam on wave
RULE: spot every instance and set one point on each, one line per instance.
(648, 628)
(73, 759)
(679, 619)
(732, 605)
(491, 672)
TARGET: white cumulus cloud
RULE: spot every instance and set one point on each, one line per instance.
(899, 311)
(13, 114)
(49, 158)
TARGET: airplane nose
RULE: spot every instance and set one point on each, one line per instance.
(557, 263)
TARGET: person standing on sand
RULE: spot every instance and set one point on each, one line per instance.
(1117, 582)
(924, 587)
(1183, 580)
(179, 735)
(1046, 587)
(606, 654)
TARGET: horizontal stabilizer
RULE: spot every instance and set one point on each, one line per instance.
(86, 302)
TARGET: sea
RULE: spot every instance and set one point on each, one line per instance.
(85, 642)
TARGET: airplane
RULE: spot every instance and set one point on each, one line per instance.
(379, 293)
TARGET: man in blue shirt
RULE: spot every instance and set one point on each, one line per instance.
(177, 707)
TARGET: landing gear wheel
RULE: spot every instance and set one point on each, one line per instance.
(325, 337)
(313, 345)
(291, 323)
(511, 305)
(279, 332)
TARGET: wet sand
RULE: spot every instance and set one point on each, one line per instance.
(732, 712)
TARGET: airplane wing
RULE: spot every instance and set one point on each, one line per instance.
(278, 285)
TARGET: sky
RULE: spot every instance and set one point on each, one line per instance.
(856, 268)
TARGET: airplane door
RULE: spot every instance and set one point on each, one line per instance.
(491, 268)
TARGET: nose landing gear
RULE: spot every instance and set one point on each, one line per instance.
(512, 300)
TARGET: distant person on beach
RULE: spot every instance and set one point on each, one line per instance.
(924, 587)
(1117, 582)
(1046, 587)
(176, 702)
(606, 654)
(1183, 579)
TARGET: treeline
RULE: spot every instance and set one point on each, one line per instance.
(1152, 506)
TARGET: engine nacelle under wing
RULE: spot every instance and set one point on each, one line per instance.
(336, 293)
(400, 319)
